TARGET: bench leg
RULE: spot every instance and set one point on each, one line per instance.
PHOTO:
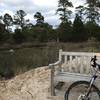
(52, 82)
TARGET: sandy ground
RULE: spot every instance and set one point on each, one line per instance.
(32, 85)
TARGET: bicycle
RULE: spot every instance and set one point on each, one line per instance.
(84, 90)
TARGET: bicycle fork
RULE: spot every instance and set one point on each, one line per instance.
(90, 86)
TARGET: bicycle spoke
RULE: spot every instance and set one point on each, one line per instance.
(79, 92)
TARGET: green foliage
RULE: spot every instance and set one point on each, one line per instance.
(19, 19)
(28, 34)
(79, 31)
(18, 36)
(65, 32)
(97, 34)
(80, 11)
(63, 10)
(65, 3)
(2, 30)
(4, 34)
(41, 33)
(92, 28)
(6, 72)
(91, 10)
(7, 19)
(39, 18)
(24, 59)
(6, 69)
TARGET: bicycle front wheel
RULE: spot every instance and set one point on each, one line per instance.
(79, 89)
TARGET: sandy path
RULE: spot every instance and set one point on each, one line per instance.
(32, 85)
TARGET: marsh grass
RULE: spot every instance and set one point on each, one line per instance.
(23, 59)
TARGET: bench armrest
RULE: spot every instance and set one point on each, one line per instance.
(54, 64)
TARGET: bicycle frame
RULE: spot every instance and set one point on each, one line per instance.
(94, 76)
(91, 83)
(88, 88)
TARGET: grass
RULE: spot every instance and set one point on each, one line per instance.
(26, 58)
(30, 57)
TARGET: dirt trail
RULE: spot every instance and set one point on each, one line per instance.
(32, 85)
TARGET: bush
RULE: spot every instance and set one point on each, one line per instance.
(6, 73)
(6, 70)
(18, 36)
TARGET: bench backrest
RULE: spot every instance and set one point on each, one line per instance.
(78, 62)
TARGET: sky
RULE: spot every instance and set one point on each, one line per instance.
(46, 7)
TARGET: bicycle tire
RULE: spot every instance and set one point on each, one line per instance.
(73, 96)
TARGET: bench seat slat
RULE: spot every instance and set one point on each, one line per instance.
(72, 77)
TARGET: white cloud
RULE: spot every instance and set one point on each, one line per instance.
(8, 11)
(77, 2)
(53, 20)
(46, 7)
(52, 3)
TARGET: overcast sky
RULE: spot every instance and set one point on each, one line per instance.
(46, 7)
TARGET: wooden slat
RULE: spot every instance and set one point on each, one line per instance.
(70, 66)
(75, 63)
(65, 59)
(79, 53)
(72, 77)
(82, 66)
(60, 55)
(54, 64)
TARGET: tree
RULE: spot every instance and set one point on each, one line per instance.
(80, 11)
(18, 36)
(64, 29)
(92, 29)
(39, 18)
(1, 19)
(29, 26)
(91, 15)
(63, 10)
(19, 19)
(64, 32)
(5, 22)
(79, 33)
(97, 32)
(7, 19)
(42, 29)
(90, 10)
(2, 30)
(42, 32)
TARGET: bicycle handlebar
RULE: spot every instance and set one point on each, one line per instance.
(94, 59)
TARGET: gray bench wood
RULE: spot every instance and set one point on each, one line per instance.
(72, 66)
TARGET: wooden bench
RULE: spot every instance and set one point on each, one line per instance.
(72, 66)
